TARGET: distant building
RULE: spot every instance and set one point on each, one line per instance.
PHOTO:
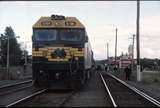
(124, 60)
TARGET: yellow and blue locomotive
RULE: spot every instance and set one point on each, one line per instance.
(61, 52)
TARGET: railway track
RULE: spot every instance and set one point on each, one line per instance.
(121, 95)
(124, 95)
(5, 89)
(25, 98)
(10, 82)
(12, 92)
(92, 94)
(44, 98)
(65, 99)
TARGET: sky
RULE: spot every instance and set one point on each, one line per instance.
(100, 18)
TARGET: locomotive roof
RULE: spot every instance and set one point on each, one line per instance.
(66, 22)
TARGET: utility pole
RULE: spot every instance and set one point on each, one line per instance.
(116, 46)
(108, 57)
(8, 58)
(133, 52)
(138, 44)
(25, 54)
(1, 46)
(8, 75)
(107, 51)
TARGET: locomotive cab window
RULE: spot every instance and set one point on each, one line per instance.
(45, 34)
(71, 35)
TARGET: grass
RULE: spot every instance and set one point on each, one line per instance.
(147, 78)
(150, 78)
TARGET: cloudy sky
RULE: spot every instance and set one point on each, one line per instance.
(100, 19)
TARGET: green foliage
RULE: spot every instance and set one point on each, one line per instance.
(14, 48)
(151, 78)
(150, 63)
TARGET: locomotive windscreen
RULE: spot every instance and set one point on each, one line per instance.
(71, 35)
(45, 34)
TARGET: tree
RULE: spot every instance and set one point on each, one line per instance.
(14, 48)
(149, 63)
(3, 50)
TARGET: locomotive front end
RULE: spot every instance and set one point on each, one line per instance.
(58, 50)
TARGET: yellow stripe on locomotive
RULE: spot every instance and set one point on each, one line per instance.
(46, 52)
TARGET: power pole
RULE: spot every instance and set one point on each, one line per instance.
(8, 64)
(116, 46)
(8, 58)
(133, 52)
(107, 51)
(25, 54)
(108, 63)
(138, 44)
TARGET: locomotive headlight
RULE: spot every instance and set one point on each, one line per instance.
(76, 58)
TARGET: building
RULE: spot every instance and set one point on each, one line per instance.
(124, 60)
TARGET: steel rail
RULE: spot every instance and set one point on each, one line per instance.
(19, 83)
(154, 101)
(25, 98)
(7, 92)
(111, 97)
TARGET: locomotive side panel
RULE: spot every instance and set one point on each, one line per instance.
(88, 56)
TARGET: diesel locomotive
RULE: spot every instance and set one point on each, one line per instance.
(61, 52)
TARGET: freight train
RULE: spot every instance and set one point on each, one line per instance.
(61, 52)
